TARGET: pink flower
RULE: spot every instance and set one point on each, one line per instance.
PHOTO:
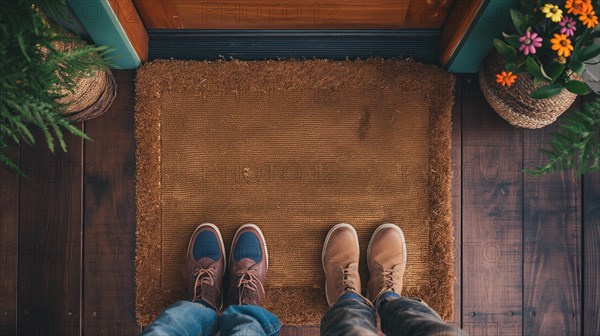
(529, 42)
(568, 26)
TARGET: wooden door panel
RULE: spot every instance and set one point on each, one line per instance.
(299, 14)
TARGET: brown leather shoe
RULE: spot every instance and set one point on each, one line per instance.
(248, 265)
(206, 265)
(340, 262)
(386, 258)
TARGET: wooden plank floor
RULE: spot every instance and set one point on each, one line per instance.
(527, 249)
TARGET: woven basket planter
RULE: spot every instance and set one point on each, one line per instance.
(514, 104)
(93, 95)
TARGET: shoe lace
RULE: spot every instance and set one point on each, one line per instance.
(248, 283)
(204, 276)
(389, 279)
(348, 278)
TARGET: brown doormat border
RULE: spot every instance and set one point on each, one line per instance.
(158, 77)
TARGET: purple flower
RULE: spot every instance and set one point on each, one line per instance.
(568, 26)
(529, 42)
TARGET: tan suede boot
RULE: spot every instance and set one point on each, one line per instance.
(386, 258)
(340, 262)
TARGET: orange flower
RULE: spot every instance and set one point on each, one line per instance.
(506, 79)
(577, 7)
(562, 45)
(589, 19)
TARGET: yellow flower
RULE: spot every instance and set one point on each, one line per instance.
(578, 7)
(562, 45)
(506, 79)
(589, 19)
(553, 12)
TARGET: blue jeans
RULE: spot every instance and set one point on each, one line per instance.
(189, 318)
(402, 316)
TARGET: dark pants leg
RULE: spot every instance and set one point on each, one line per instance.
(404, 316)
(350, 315)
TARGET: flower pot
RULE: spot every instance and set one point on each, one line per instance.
(92, 96)
(514, 103)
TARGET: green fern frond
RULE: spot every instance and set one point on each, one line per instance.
(577, 145)
(36, 74)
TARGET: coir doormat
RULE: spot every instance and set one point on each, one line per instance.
(294, 147)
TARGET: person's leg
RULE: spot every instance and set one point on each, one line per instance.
(184, 318)
(248, 320)
(248, 265)
(386, 258)
(407, 316)
(349, 313)
(205, 267)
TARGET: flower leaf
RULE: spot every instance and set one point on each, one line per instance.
(578, 87)
(577, 67)
(588, 53)
(552, 70)
(547, 91)
(512, 40)
(531, 20)
(518, 20)
(535, 70)
(539, 81)
(581, 40)
(507, 52)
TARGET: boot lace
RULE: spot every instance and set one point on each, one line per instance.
(348, 278)
(204, 276)
(389, 279)
(248, 283)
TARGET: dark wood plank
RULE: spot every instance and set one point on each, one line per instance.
(50, 212)
(9, 236)
(591, 253)
(456, 196)
(552, 244)
(109, 222)
(591, 256)
(492, 218)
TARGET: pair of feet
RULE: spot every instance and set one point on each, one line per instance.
(249, 261)
(206, 266)
(386, 261)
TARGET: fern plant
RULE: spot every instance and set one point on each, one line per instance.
(35, 75)
(577, 145)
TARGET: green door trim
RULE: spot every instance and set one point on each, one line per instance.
(103, 26)
(477, 43)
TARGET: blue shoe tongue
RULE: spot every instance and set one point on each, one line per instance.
(248, 246)
(206, 245)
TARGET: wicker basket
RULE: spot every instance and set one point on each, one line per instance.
(93, 95)
(514, 104)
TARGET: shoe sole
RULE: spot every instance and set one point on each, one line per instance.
(382, 227)
(264, 241)
(335, 227)
(213, 226)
